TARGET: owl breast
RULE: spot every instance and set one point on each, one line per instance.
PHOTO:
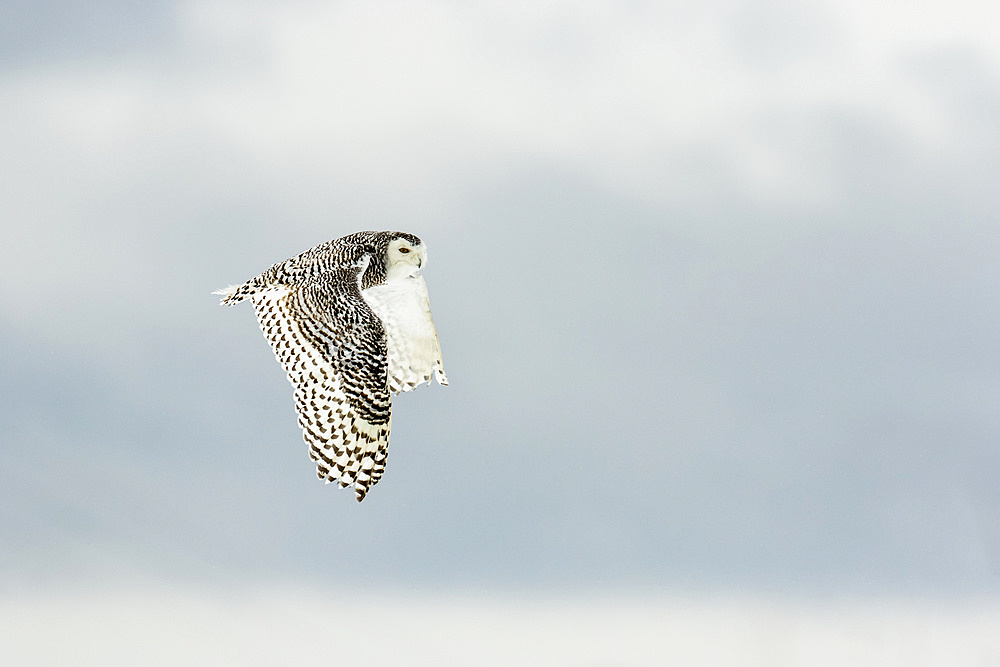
(414, 353)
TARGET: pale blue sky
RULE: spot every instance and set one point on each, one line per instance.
(716, 287)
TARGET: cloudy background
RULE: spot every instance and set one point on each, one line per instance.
(717, 290)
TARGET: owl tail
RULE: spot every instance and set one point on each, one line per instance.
(233, 294)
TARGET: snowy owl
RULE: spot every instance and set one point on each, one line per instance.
(350, 322)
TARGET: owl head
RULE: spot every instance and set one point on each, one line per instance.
(405, 255)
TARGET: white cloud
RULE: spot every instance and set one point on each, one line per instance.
(375, 112)
(264, 626)
(412, 95)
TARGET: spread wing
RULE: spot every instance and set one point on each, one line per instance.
(414, 353)
(333, 348)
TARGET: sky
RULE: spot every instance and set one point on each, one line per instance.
(715, 284)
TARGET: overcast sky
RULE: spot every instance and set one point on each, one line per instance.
(716, 285)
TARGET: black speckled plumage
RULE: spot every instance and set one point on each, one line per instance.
(341, 330)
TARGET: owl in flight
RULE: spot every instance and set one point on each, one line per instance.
(350, 322)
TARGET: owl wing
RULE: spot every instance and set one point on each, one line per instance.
(414, 353)
(333, 349)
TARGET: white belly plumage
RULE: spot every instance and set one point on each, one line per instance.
(414, 351)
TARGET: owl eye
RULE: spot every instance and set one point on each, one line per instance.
(404, 250)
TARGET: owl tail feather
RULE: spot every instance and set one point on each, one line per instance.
(233, 294)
